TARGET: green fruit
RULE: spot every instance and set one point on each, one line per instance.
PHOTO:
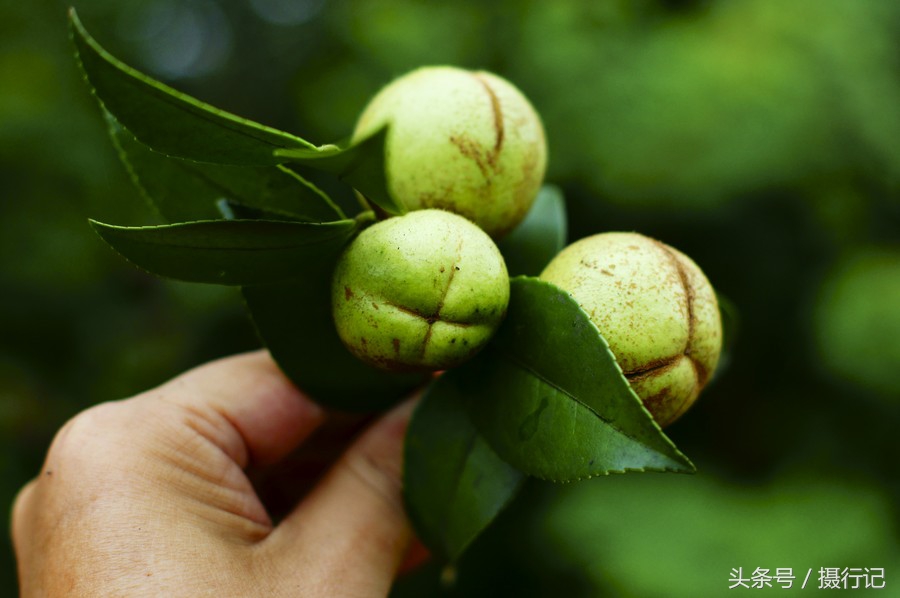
(654, 307)
(423, 291)
(464, 141)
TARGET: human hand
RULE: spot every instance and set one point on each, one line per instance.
(150, 497)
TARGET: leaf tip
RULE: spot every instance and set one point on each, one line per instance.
(684, 464)
(77, 31)
(74, 21)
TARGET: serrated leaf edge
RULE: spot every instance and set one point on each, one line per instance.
(166, 92)
(691, 468)
(100, 226)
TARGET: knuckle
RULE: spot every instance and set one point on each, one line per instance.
(82, 429)
(19, 512)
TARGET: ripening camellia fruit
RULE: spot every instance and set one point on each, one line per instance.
(464, 141)
(423, 291)
(654, 307)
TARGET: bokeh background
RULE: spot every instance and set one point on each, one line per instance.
(761, 137)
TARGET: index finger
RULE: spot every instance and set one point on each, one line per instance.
(267, 415)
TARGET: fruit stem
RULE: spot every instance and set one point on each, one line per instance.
(364, 220)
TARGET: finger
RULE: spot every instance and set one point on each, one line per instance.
(255, 411)
(284, 484)
(239, 408)
(20, 508)
(354, 519)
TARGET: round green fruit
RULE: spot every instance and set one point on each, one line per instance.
(654, 307)
(423, 291)
(464, 141)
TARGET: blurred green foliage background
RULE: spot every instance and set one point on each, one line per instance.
(760, 137)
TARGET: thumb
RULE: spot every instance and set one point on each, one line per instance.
(351, 532)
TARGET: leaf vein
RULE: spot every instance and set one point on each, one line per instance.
(532, 371)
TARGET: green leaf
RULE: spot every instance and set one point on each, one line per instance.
(360, 165)
(529, 247)
(184, 190)
(233, 210)
(454, 484)
(172, 122)
(552, 401)
(230, 252)
(178, 125)
(294, 321)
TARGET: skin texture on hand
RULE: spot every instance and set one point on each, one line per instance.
(150, 497)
